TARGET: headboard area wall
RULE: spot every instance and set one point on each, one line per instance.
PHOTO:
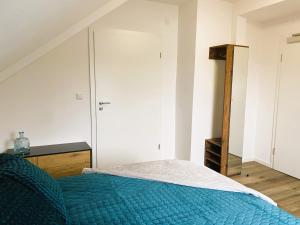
(41, 99)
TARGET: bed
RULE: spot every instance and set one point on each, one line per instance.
(162, 192)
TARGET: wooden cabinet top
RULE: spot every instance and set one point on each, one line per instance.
(55, 149)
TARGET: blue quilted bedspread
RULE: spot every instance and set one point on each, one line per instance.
(103, 199)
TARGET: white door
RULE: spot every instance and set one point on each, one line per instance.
(287, 151)
(129, 78)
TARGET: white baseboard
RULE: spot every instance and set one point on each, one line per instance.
(247, 160)
(268, 164)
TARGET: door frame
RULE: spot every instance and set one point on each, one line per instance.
(169, 67)
(93, 103)
(276, 104)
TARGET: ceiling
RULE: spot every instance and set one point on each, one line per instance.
(232, 1)
(178, 2)
(27, 25)
(173, 2)
(276, 13)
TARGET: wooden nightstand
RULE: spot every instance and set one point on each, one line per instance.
(61, 160)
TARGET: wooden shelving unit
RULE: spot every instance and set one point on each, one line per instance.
(213, 159)
(216, 149)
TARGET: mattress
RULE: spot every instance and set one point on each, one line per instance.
(98, 198)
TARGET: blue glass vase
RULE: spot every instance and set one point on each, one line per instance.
(22, 145)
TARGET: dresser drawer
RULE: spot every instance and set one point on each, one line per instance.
(67, 164)
(33, 160)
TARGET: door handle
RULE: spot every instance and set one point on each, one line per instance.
(104, 103)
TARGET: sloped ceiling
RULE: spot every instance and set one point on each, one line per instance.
(178, 2)
(276, 13)
(27, 25)
(232, 1)
(173, 2)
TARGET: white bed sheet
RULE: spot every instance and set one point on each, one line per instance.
(180, 172)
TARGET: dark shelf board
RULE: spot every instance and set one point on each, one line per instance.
(55, 149)
(215, 141)
(214, 153)
(213, 161)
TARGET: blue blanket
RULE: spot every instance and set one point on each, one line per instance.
(28, 195)
(104, 199)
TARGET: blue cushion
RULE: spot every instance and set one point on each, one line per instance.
(28, 194)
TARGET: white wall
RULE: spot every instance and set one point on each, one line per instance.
(40, 99)
(214, 27)
(239, 29)
(185, 77)
(265, 41)
(261, 87)
(265, 48)
(261, 93)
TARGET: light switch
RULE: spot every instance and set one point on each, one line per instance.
(79, 96)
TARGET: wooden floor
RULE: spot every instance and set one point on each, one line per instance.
(234, 165)
(283, 189)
